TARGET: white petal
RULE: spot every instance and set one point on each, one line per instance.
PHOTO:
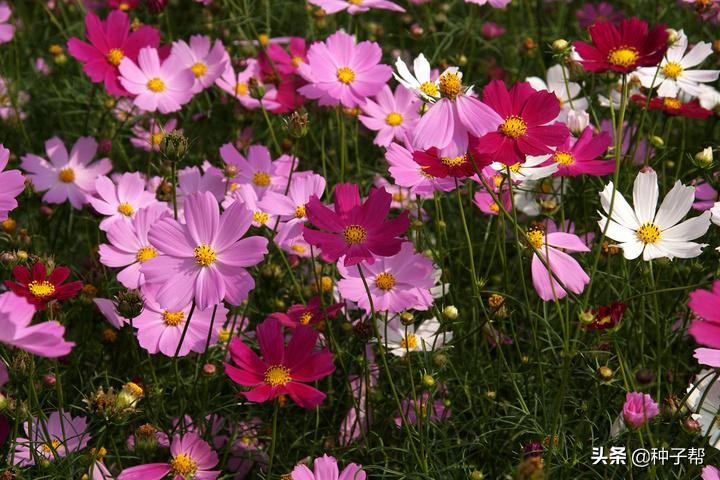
(645, 196)
(680, 249)
(622, 212)
(689, 229)
(696, 55)
(617, 232)
(675, 206)
(422, 69)
(632, 250)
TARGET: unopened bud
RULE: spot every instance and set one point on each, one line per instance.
(450, 312)
(174, 146)
(691, 426)
(605, 374)
(407, 318)
(477, 475)
(209, 369)
(129, 304)
(298, 123)
(560, 45)
(673, 36)
(428, 380)
(704, 158)
(656, 141)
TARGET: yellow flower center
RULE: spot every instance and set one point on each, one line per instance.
(223, 335)
(564, 158)
(66, 175)
(145, 254)
(494, 207)
(199, 69)
(450, 85)
(264, 39)
(385, 281)
(134, 389)
(296, 61)
(183, 465)
(394, 119)
(156, 138)
(298, 248)
(173, 319)
(648, 233)
(345, 75)
(42, 289)
(398, 197)
(155, 85)
(672, 103)
(672, 70)
(306, 318)
(354, 234)
(126, 209)
(241, 89)
(300, 211)
(204, 255)
(429, 89)
(355, 2)
(277, 375)
(115, 56)
(453, 161)
(515, 167)
(124, 6)
(261, 179)
(410, 342)
(50, 447)
(260, 217)
(536, 237)
(623, 56)
(513, 127)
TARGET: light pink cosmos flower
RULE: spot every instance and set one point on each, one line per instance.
(108, 308)
(159, 87)
(61, 435)
(129, 245)
(11, 184)
(258, 169)
(66, 177)
(160, 325)
(397, 283)
(121, 199)
(149, 139)
(7, 30)
(291, 207)
(246, 196)
(552, 247)
(326, 468)
(205, 258)
(393, 116)
(192, 180)
(290, 238)
(710, 473)
(705, 196)
(206, 63)
(342, 71)
(357, 421)
(408, 173)
(192, 457)
(492, 3)
(638, 409)
(423, 409)
(238, 86)
(354, 6)
(43, 339)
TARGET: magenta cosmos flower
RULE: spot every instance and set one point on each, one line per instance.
(282, 370)
(7, 30)
(311, 314)
(638, 409)
(580, 156)
(355, 6)
(159, 87)
(45, 339)
(66, 177)
(39, 288)
(192, 458)
(287, 62)
(341, 71)
(205, 60)
(111, 41)
(393, 116)
(525, 128)
(357, 230)
(120, 200)
(61, 435)
(552, 248)
(705, 327)
(11, 184)
(205, 258)
(326, 468)
(410, 174)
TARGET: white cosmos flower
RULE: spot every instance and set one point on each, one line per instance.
(530, 169)
(709, 97)
(656, 233)
(566, 94)
(704, 401)
(402, 339)
(675, 73)
(421, 82)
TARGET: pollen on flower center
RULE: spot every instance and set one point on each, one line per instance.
(410, 342)
(429, 89)
(183, 465)
(50, 447)
(355, 2)
(145, 254)
(672, 70)
(453, 161)
(345, 75)
(450, 85)
(564, 158)
(261, 217)
(623, 56)
(199, 69)
(398, 197)
(306, 318)
(536, 237)
(672, 103)
(494, 207)
(385, 281)
(115, 56)
(172, 319)
(204, 255)
(261, 179)
(394, 119)
(66, 175)
(42, 289)
(513, 127)
(515, 167)
(277, 375)
(648, 233)
(354, 234)
(300, 211)
(155, 85)
(241, 89)
(296, 61)
(126, 209)
(156, 138)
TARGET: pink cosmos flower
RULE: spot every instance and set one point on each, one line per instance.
(287, 62)
(205, 258)
(310, 314)
(705, 327)
(705, 196)
(354, 229)
(291, 207)
(580, 156)
(492, 30)
(66, 177)
(326, 468)
(552, 247)
(410, 174)
(192, 457)
(7, 30)
(524, 128)
(710, 473)
(357, 421)
(638, 409)
(160, 87)
(341, 71)
(206, 63)
(111, 41)
(397, 283)
(353, 7)
(591, 13)
(258, 169)
(160, 325)
(393, 116)
(487, 204)
(238, 86)
(192, 180)
(129, 245)
(492, 3)
(60, 436)
(120, 200)
(149, 139)
(11, 184)
(246, 196)
(422, 408)
(291, 239)
(282, 370)
(108, 308)
(43, 339)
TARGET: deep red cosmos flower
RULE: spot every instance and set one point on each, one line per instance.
(440, 167)
(607, 317)
(624, 48)
(355, 229)
(675, 107)
(526, 128)
(38, 288)
(310, 314)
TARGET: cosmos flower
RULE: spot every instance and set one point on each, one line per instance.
(357, 230)
(283, 370)
(567, 92)
(422, 408)
(705, 327)
(120, 200)
(674, 106)
(638, 409)
(410, 174)
(291, 207)
(287, 62)
(703, 400)
(111, 41)
(248, 198)
(355, 6)
(393, 116)
(310, 314)
(257, 168)
(710, 473)
(238, 86)
(192, 180)
(652, 232)
(61, 435)
(149, 139)
(12, 183)
(580, 156)
(422, 80)
(7, 30)
(326, 468)
(402, 339)
(533, 168)
(492, 3)
(38, 288)
(705, 196)
(207, 62)
(66, 177)
(433, 163)
(591, 13)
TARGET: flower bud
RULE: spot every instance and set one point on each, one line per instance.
(673, 36)
(8, 225)
(407, 318)
(691, 426)
(656, 141)
(450, 312)
(440, 359)
(49, 380)
(644, 376)
(577, 121)
(174, 146)
(129, 304)
(209, 369)
(145, 438)
(428, 380)
(704, 158)
(605, 373)
(560, 45)
(297, 124)
(156, 6)
(477, 475)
